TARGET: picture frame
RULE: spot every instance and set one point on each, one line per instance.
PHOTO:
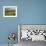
(9, 11)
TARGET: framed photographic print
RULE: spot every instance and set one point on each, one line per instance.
(9, 11)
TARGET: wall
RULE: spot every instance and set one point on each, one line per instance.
(29, 12)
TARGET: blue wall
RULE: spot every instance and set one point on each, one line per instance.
(29, 12)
